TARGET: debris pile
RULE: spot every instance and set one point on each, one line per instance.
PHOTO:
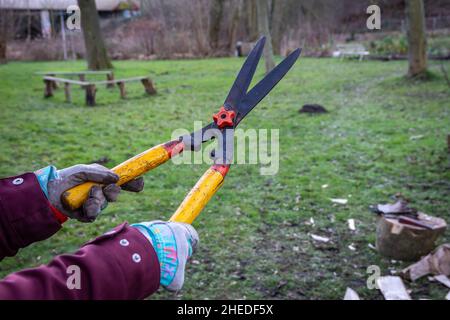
(404, 233)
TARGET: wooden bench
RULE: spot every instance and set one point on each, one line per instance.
(91, 89)
(350, 50)
(81, 75)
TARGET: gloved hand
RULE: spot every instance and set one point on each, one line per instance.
(174, 244)
(55, 182)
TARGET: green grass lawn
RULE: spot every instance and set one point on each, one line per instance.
(255, 237)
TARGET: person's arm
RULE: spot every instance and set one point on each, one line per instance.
(30, 204)
(26, 215)
(129, 262)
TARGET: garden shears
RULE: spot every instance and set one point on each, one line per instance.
(237, 105)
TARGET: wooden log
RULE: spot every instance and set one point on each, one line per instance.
(48, 90)
(63, 80)
(123, 93)
(67, 92)
(110, 77)
(133, 79)
(72, 73)
(90, 94)
(407, 242)
(148, 85)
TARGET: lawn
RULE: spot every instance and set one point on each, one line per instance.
(383, 136)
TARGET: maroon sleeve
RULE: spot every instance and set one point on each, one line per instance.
(121, 264)
(25, 214)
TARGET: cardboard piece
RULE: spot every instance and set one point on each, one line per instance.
(437, 263)
(443, 279)
(392, 288)
(351, 294)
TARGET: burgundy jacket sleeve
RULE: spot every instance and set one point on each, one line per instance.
(121, 264)
(25, 214)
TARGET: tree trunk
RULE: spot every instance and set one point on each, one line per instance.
(277, 25)
(96, 54)
(5, 22)
(234, 25)
(262, 8)
(417, 47)
(252, 21)
(2, 50)
(215, 19)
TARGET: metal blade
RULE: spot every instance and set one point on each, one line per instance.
(260, 90)
(245, 75)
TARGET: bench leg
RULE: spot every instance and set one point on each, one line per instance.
(48, 90)
(123, 93)
(90, 94)
(67, 92)
(82, 78)
(110, 77)
(54, 84)
(148, 85)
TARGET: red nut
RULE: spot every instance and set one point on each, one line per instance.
(224, 118)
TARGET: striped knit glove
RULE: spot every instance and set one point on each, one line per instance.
(174, 244)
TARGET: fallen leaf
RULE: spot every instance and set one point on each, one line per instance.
(351, 224)
(319, 238)
(351, 294)
(339, 201)
(392, 288)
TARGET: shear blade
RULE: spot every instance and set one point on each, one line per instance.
(263, 87)
(245, 75)
(237, 98)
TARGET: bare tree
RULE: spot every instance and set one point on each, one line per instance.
(234, 23)
(417, 45)
(251, 19)
(277, 25)
(215, 19)
(6, 22)
(262, 9)
(3, 35)
(96, 54)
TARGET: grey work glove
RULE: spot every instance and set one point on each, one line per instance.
(99, 196)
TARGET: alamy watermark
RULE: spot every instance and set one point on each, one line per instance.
(374, 20)
(73, 21)
(73, 281)
(374, 272)
(250, 146)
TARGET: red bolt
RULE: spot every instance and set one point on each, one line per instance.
(224, 118)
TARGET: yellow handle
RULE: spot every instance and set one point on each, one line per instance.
(199, 196)
(128, 170)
